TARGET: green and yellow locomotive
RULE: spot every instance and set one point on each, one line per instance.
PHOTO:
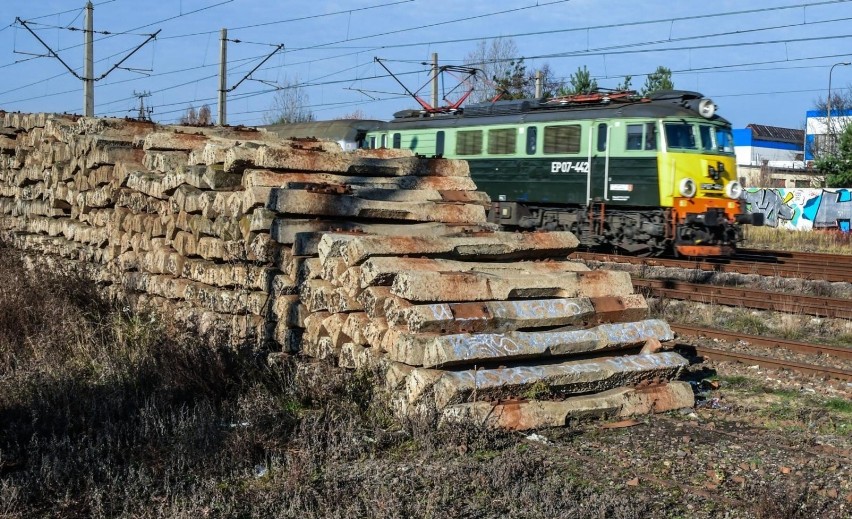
(643, 175)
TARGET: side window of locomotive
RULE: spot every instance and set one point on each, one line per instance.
(602, 137)
(372, 143)
(439, 143)
(679, 136)
(562, 139)
(706, 138)
(724, 140)
(650, 136)
(502, 141)
(642, 136)
(532, 135)
(384, 140)
(397, 141)
(469, 142)
(634, 136)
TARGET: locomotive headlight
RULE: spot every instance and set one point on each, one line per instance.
(687, 187)
(706, 107)
(733, 189)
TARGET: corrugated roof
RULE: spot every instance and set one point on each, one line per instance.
(776, 133)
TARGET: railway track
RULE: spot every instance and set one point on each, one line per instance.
(827, 269)
(769, 343)
(747, 297)
(789, 257)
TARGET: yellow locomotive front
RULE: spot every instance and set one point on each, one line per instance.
(698, 182)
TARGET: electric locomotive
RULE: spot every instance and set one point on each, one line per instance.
(644, 175)
(641, 175)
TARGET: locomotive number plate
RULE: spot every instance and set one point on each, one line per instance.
(569, 167)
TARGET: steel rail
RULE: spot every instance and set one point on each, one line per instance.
(803, 270)
(783, 256)
(765, 342)
(747, 298)
(767, 362)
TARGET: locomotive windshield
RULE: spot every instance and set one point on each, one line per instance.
(703, 137)
(681, 136)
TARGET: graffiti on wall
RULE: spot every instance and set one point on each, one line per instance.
(802, 209)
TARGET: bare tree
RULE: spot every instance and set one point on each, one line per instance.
(290, 104)
(498, 60)
(355, 114)
(201, 117)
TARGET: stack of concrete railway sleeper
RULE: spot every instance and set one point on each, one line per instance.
(374, 259)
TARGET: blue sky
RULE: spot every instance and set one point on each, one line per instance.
(764, 62)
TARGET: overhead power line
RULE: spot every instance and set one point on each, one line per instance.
(81, 9)
(88, 77)
(290, 20)
(615, 50)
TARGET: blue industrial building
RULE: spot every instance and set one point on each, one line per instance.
(816, 124)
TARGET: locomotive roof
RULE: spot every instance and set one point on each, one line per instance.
(668, 104)
(342, 129)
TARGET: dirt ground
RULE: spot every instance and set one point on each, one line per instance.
(760, 443)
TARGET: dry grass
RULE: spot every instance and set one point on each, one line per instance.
(108, 414)
(832, 242)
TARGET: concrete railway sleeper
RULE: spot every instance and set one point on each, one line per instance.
(370, 259)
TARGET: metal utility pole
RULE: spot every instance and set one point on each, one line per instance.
(538, 84)
(223, 65)
(89, 67)
(221, 118)
(829, 133)
(88, 78)
(143, 113)
(434, 80)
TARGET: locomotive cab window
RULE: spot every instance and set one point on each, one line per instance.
(532, 134)
(502, 141)
(642, 136)
(707, 135)
(680, 136)
(724, 140)
(634, 136)
(469, 142)
(439, 143)
(397, 141)
(650, 136)
(562, 139)
(602, 137)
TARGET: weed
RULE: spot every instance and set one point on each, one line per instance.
(783, 239)
(538, 390)
(780, 411)
(737, 381)
(747, 323)
(841, 405)
(784, 394)
(843, 339)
